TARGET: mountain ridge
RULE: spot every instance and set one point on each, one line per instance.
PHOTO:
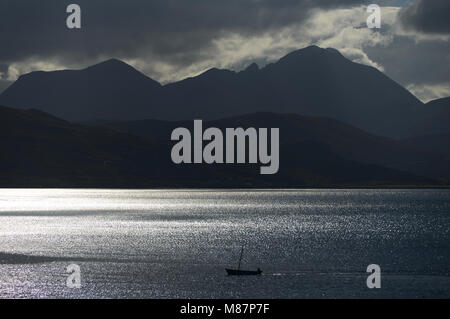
(309, 81)
(40, 150)
(342, 139)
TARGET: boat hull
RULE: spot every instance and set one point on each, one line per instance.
(235, 272)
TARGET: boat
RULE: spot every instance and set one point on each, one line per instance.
(240, 272)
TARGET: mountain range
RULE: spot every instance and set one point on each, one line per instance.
(40, 150)
(342, 124)
(310, 81)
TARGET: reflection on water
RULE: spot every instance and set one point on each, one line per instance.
(169, 244)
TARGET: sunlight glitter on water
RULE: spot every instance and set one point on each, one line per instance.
(139, 243)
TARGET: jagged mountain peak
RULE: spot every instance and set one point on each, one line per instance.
(111, 63)
(252, 68)
(309, 81)
(312, 54)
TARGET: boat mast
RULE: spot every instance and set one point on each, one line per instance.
(240, 258)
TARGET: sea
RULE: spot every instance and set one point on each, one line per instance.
(309, 243)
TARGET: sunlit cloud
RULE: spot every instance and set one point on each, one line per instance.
(428, 92)
(234, 46)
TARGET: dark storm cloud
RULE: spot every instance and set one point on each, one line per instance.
(3, 69)
(427, 16)
(36, 29)
(427, 65)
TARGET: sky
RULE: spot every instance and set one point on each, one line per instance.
(170, 40)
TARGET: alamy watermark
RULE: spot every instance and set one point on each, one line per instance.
(73, 21)
(374, 279)
(374, 20)
(235, 139)
(74, 279)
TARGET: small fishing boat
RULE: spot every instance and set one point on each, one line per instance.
(239, 272)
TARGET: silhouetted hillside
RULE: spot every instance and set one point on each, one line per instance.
(342, 140)
(436, 143)
(41, 150)
(108, 90)
(433, 118)
(310, 81)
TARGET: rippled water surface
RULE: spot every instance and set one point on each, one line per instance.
(176, 243)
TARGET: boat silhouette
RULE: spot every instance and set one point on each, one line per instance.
(239, 272)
